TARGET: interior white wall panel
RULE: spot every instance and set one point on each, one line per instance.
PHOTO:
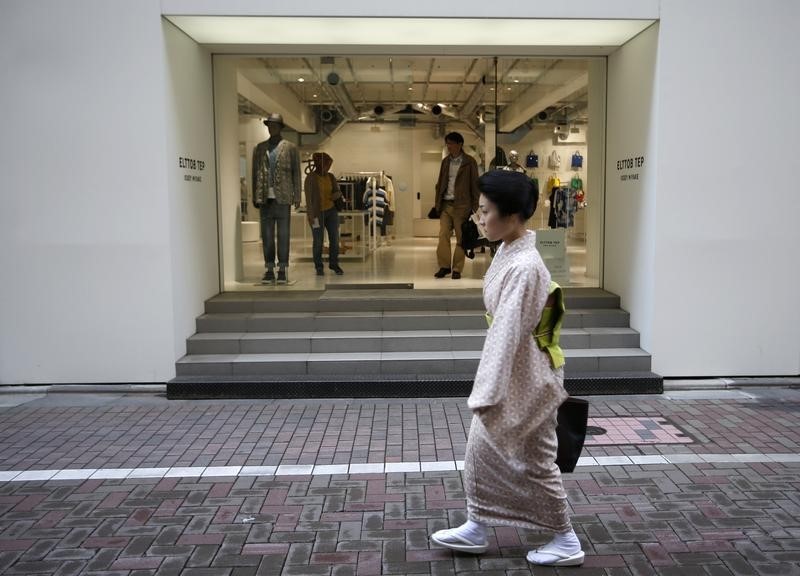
(86, 291)
(726, 283)
(192, 188)
(226, 114)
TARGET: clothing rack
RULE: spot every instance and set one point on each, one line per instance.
(375, 239)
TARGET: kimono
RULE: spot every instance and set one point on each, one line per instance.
(510, 475)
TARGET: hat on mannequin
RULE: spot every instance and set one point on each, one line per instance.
(274, 119)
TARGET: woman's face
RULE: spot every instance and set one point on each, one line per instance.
(495, 226)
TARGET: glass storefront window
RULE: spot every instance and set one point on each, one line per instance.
(383, 121)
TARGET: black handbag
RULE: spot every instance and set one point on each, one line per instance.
(433, 213)
(339, 204)
(573, 415)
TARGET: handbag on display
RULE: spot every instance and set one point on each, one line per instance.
(554, 160)
(577, 160)
(573, 416)
(433, 213)
(531, 160)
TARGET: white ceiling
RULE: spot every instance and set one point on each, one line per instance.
(395, 62)
(464, 86)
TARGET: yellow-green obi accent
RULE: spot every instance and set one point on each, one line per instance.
(548, 331)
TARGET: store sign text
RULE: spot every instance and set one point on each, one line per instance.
(191, 164)
(627, 164)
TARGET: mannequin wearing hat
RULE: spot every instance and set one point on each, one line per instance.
(322, 192)
(513, 163)
(276, 187)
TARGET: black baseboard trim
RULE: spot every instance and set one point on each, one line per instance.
(387, 386)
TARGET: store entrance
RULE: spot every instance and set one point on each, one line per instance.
(373, 128)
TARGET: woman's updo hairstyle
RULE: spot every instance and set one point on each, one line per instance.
(511, 192)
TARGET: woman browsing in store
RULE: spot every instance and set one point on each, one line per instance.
(322, 193)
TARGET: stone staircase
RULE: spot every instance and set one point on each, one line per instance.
(388, 343)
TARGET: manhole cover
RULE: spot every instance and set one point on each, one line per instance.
(595, 431)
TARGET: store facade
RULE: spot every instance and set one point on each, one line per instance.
(124, 163)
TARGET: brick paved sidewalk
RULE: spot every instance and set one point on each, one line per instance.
(715, 517)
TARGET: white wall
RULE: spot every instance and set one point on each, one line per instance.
(726, 285)
(193, 202)
(630, 205)
(86, 293)
(466, 8)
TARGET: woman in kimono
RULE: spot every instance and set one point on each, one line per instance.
(510, 474)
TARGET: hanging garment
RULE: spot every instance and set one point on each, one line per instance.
(564, 204)
(376, 197)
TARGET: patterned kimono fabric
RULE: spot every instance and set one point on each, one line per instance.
(510, 475)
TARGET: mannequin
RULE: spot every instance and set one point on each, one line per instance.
(513, 162)
(322, 192)
(276, 186)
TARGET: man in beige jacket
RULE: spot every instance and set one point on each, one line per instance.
(457, 197)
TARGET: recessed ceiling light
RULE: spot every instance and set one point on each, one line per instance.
(410, 88)
(314, 95)
(516, 81)
(301, 79)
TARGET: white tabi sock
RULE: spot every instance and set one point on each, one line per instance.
(473, 531)
(563, 545)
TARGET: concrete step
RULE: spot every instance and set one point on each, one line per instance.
(387, 341)
(429, 362)
(370, 321)
(381, 300)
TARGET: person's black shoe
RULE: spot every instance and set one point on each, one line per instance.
(337, 269)
(442, 273)
(269, 277)
(282, 277)
(456, 275)
(320, 272)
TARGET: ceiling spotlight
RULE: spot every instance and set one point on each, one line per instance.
(313, 95)
(301, 79)
(516, 80)
(410, 88)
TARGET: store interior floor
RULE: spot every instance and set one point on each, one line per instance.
(410, 261)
